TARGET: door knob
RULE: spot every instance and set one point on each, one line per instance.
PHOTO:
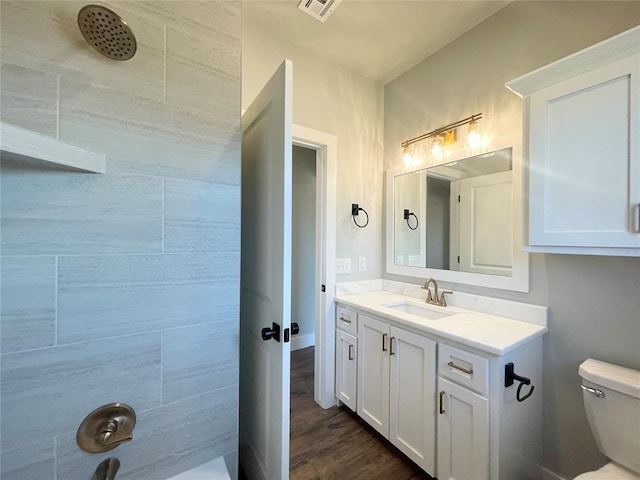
(295, 328)
(273, 332)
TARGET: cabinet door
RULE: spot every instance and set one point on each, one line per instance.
(584, 165)
(373, 373)
(463, 433)
(412, 397)
(346, 351)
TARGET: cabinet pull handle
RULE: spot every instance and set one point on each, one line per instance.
(468, 371)
(350, 352)
(442, 412)
(384, 342)
(345, 319)
(391, 352)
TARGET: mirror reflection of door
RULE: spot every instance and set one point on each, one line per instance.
(465, 215)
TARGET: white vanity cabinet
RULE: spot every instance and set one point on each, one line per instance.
(346, 356)
(396, 384)
(463, 415)
(419, 389)
(582, 128)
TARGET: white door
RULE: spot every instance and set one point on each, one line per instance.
(265, 295)
(486, 225)
(373, 373)
(412, 422)
(463, 433)
(346, 351)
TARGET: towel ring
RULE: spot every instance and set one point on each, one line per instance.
(355, 209)
(407, 215)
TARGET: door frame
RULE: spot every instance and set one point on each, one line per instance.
(325, 146)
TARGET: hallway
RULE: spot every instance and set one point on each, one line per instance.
(335, 443)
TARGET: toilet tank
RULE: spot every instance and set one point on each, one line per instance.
(614, 418)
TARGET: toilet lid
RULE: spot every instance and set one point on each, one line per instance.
(609, 472)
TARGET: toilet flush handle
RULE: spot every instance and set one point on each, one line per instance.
(595, 391)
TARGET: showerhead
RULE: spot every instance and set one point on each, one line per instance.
(107, 32)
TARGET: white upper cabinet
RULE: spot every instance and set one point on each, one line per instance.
(583, 156)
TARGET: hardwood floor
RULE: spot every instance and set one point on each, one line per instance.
(335, 443)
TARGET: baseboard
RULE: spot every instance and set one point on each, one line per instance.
(549, 475)
(303, 341)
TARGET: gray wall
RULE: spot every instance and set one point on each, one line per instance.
(303, 261)
(335, 100)
(122, 287)
(594, 301)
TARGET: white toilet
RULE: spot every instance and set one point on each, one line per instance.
(612, 402)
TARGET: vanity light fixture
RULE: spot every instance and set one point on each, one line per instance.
(444, 136)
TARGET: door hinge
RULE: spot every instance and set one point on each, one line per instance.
(324, 288)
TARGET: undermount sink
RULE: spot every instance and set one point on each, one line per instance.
(423, 311)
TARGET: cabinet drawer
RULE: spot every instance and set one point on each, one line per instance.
(463, 368)
(347, 320)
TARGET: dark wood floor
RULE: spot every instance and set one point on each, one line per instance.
(335, 443)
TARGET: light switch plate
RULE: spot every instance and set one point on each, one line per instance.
(343, 266)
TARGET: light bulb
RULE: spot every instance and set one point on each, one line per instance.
(407, 155)
(474, 139)
(437, 146)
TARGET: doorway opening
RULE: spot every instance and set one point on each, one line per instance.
(314, 179)
(303, 247)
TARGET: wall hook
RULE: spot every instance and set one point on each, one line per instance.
(510, 376)
(407, 215)
(355, 209)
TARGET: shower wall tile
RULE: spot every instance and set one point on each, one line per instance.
(231, 461)
(61, 385)
(166, 441)
(34, 461)
(105, 296)
(201, 74)
(59, 47)
(49, 212)
(199, 359)
(201, 216)
(196, 17)
(28, 303)
(139, 135)
(29, 98)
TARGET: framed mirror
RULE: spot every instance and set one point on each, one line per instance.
(459, 220)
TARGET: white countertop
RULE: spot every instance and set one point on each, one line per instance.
(489, 333)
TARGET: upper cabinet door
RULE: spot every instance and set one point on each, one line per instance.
(584, 181)
(582, 142)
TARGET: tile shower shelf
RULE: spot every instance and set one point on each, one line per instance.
(26, 143)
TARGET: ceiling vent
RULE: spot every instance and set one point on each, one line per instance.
(319, 9)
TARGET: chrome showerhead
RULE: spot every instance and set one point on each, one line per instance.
(107, 32)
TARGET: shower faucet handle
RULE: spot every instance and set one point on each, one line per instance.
(107, 432)
(106, 427)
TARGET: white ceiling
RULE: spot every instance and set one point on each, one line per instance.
(378, 39)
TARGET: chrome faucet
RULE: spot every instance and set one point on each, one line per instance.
(107, 469)
(435, 299)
